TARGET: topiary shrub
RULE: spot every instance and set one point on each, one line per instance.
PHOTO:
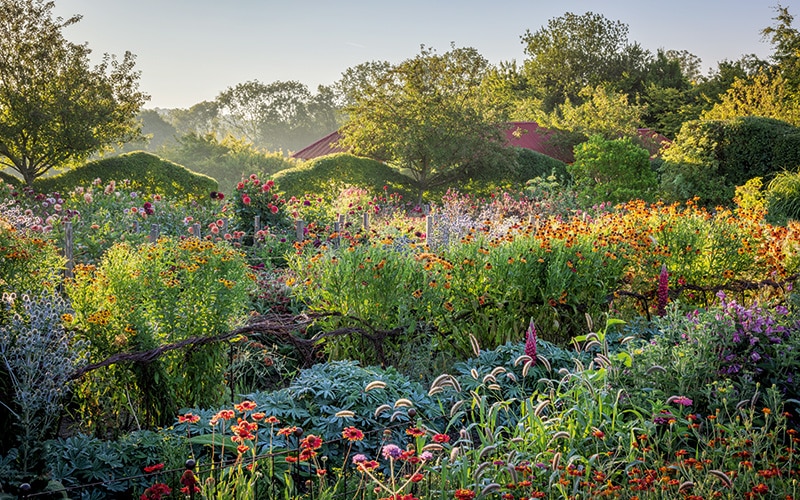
(709, 158)
(147, 172)
(326, 176)
(612, 171)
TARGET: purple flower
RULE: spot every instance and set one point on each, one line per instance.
(680, 400)
(663, 291)
(357, 459)
(530, 342)
(426, 456)
(391, 451)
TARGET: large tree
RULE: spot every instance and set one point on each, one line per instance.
(277, 115)
(55, 108)
(575, 51)
(427, 116)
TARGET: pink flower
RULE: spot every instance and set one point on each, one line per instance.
(680, 400)
(245, 199)
(274, 209)
(663, 291)
(530, 342)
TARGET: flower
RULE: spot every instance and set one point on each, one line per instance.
(426, 456)
(415, 432)
(245, 406)
(441, 438)
(680, 400)
(156, 492)
(188, 418)
(152, 468)
(663, 291)
(311, 442)
(287, 431)
(391, 451)
(357, 459)
(352, 434)
(463, 494)
(530, 342)
(245, 199)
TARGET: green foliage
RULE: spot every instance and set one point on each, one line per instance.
(138, 299)
(227, 160)
(146, 172)
(599, 111)
(710, 157)
(56, 109)
(328, 175)
(427, 116)
(30, 264)
(765, 94)
(782, 197)
(39, 357)
(486, 180)
(82, 459)
(743, 347)
(612, 171)
(574, 51)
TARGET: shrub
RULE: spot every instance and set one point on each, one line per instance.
(326, 176)
(532, 164)
(710, 157)
(612, 171)
(139, 298)
(145, 171)
(783, 197)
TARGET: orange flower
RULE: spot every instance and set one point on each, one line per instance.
(189, 418)
(352, 434)
(258, 416)
(463, 494)
(415, 432)
(245, 406)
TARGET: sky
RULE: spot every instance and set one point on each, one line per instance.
(188, 51)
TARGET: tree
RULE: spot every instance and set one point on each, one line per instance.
(55, 109)
(278, 115)
(427, 116)
(603, 112)
(612, 171)
(576, 51)
(766, 94)
(785, 40)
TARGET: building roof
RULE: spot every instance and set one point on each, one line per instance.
(528, 135)
(328, 145)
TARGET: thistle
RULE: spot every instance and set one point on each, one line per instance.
(530, 342)
(663, 291)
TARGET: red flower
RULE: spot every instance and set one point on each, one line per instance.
(663, 291)
(245, 406)
(272, 420)
(417, 477)
(311, 442)
(258, 416)
(287, 431)
(441, 438)
(415, 432)
(352, 434)
(291, 459)
(273, 209)
(463, 494)
(152, 468)
(156, 492)
(188, 418)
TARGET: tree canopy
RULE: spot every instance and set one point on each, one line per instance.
(427, 116)
(55, 108)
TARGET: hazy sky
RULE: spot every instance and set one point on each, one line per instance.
(189, 51)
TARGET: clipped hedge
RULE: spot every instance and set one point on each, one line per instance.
(328, 174)
(146, 171)
(532, 164)
(709, 158)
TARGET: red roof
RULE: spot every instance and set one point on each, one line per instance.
(325, 146)
(528, 135)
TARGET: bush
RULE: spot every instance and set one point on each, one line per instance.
(532, 164)
(783, 197)
(326, 177)
(709, 158)
(145, 171)
(612, 171)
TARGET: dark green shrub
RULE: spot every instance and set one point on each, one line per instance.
(10, 179)
(709, 158)
(146, 172)
(327, 175)
(532, 164)
(612, 171)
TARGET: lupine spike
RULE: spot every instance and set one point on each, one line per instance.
(663, 291)
(530, 342)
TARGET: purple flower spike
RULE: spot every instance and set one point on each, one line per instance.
(530, 341)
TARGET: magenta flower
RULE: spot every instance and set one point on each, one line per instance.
(391, 451)
(530, 341)
(680, 400)
(663, 291)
